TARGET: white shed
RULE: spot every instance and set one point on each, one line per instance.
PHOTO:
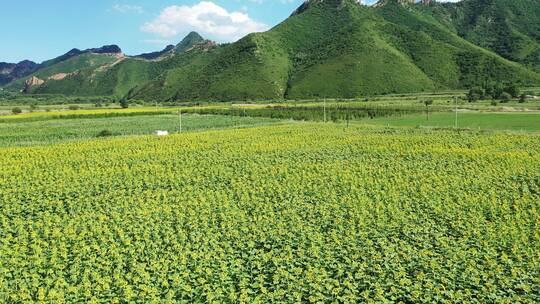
(162, 133)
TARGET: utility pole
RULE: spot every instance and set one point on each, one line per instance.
(324, 107)
(456, 119)
(180, 120)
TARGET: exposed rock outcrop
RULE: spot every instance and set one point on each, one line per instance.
(32, 82)
(58, 76)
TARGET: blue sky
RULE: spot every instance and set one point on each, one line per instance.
(43, 29)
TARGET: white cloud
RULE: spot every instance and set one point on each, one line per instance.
(205, 17)
(126, 8)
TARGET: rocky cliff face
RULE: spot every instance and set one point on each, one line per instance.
(32, 82)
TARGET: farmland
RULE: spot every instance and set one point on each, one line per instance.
(525, 122)
(296, 212)
(314, 151)
(50, 128)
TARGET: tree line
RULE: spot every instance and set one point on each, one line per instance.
(497, 91)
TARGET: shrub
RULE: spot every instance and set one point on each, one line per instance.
(505, 97)
(16, 110)
(512, 89)
(105, 133)
(124, 103)
(475, 94)
(73, 107)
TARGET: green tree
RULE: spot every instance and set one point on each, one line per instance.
(124, 103)
(427, 103)
(498, 90)
(512, 89)
(16, 110)
(474, 94)
(489, 91)
(505, 97)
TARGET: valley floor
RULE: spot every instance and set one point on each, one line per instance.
(287, 212)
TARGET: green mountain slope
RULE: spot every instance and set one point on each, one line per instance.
(92, 74)
(510, 28)
(327, 48)
(55, 75)
(445, 56)
(340, 49)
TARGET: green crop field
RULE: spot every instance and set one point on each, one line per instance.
(479, 116)
(303, 212)
(482, 121)
(40, 128)
(314, 151)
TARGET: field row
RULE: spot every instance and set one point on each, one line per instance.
(51, 131)
(306, 212)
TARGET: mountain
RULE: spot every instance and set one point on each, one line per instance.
(107, 50)
(191, 40)
(12, 71)
(85, 64)
(382, 3)
(326, 48)
(338, 48)
(110, 74)
(28, 74)
(155, 55)
(510, 28)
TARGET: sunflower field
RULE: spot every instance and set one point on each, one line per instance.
(303, 212)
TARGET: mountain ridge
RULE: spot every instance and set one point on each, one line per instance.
(13, 71)
(326, 48)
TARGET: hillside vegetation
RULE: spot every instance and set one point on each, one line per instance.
(510, 28)
(334, 48)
